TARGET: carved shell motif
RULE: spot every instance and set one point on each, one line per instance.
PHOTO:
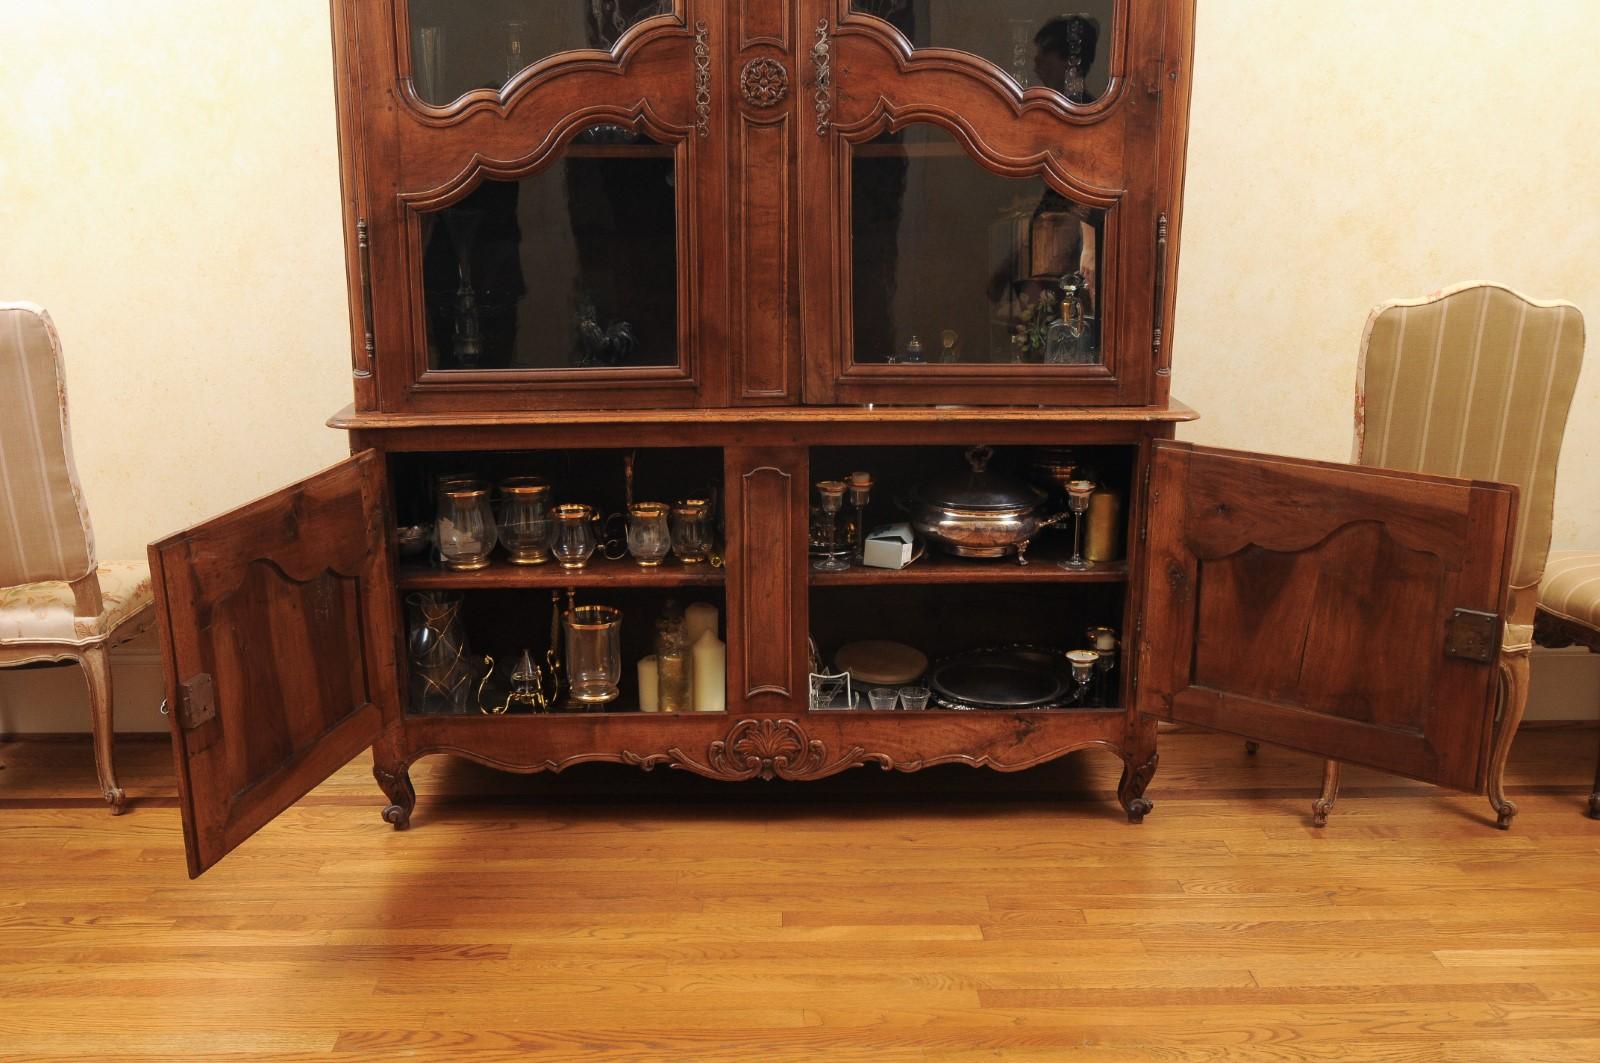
(764, 82)
(766, 749)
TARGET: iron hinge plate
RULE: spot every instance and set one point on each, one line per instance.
(197, 702)
(1472, 635)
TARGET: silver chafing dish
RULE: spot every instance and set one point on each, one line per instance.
(979, 513)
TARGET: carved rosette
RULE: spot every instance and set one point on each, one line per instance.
(766, 749)
(764, 82)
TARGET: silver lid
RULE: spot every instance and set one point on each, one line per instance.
(977, 488)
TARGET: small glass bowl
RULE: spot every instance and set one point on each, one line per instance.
(883, 698)
(913, 699)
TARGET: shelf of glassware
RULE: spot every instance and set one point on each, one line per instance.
(601, 572)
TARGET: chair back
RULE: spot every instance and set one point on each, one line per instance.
(1474, 381)
(44, 524)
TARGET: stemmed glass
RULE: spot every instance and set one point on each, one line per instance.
(1078, 492)
(835, 560)
(860, 495)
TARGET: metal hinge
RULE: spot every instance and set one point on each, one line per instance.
(197, 701)
(364, 265)
(1144, 501)
(1472, 635)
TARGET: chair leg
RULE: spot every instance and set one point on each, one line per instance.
(1330, 792)
(96, 663)
(1594, 797)
(1513, 703)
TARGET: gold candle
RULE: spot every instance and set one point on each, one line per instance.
(1105, 526)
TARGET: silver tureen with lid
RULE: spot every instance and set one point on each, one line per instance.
(979, 513)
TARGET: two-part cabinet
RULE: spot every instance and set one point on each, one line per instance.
(713, 254)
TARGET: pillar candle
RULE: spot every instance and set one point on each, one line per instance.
(649, 701)
(697, 620)
(710, 674)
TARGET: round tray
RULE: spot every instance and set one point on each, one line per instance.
(878, 663)
(1001, 677)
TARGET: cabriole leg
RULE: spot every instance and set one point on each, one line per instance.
(392, 770)
(1513, 703)
(1330, 793)
(96, 661)
(1130, 791)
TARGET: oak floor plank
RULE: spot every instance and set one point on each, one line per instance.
(953, 916)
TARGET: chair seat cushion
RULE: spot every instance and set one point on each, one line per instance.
(43, 612)
(1570, 588)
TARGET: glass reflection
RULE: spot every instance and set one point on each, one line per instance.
(1032, 40)
(953, 263)
(573, 267)
(457, 47)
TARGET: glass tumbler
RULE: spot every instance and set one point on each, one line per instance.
(575, 542)
(526, 526)
(691, 530)
(882, 698)
(594, 652)
(465, 527)
(913, 698)
(649, 537)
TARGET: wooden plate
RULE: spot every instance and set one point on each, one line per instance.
(881, 663)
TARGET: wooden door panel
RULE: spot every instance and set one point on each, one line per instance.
(768, 520)
(278, 638)
(1308, 605)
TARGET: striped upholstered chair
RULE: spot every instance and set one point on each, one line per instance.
(57, 603)
(1569, 615)
(1475, 381)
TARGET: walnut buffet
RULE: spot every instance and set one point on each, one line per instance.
(740, 247)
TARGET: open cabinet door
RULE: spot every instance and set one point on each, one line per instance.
(278, 641)
(1349, 612)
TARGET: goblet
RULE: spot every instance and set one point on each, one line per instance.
(860, 495)
(1083, 662)
(1078, 493)
(835, 560)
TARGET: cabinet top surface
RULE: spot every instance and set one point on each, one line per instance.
(349, 419)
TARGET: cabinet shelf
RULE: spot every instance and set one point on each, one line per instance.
(943, 569)
(502, 575)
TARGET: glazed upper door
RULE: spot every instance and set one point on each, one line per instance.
(278, 643)
(1349, 612)
(989, 206)
(536, 198)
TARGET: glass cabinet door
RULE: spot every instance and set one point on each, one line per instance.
(984, 190)
(541, 202)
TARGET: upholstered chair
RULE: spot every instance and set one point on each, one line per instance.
(1475, 382)
(1569, 615)
(57, 603)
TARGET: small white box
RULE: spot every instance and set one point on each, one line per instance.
(889, 547)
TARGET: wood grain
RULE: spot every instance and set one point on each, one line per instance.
(608, 914)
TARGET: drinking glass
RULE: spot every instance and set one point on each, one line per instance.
(913, 698)
(526, 527)
(465, 526)
(594, 652)
(882, 698)
(649, 537)
(1078, 494)
(835, 559)
(575, 542)
(691, 530)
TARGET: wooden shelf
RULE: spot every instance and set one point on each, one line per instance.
(942, 568)
(503, 575)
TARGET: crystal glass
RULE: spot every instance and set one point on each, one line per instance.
(594, 652)
(526, 525)
(836, 558)
(465, 527)
(575, 540)
(913, 698)
(649, 533)
(441, 667)
(860, 495)
(1083, 668)
(883, 698)
(1078, 495)
(691, 530)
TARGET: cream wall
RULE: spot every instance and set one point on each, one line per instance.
(169, 189)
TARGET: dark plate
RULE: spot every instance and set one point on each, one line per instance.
(1004, 678)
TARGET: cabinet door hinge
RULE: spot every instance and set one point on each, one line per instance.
(197, 701)
(1472, 635)
(1159, 322)
(1144, 498)
(364, 264)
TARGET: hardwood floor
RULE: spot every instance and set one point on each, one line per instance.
(956, 915)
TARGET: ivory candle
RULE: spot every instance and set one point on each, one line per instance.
(710, 673)
(697, 620)
(649, 699)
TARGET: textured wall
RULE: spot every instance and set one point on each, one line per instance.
(169, 189)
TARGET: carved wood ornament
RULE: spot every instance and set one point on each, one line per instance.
(764, 82)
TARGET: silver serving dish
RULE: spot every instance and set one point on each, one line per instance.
(980, 513)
